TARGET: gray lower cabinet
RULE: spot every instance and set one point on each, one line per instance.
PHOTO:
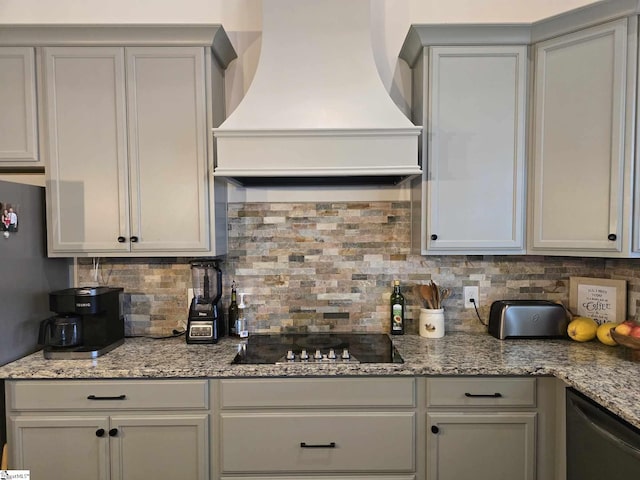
(311, 428)
(327, 428)
(126, 136)
(18, 115)
(481, 428)
(482, 446)
(110, 430)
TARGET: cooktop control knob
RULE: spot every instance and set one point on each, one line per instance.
(290, 355)
(318, 355)
(304, 355)
(345, 354)
(332, 354)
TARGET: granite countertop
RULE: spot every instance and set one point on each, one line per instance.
(605, 374)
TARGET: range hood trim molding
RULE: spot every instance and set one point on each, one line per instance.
(311, 132)
(318, 172)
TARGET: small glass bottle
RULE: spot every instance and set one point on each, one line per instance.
(233, 310)
(241, 324)
(397, 310)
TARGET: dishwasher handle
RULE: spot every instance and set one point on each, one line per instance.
(586, 412)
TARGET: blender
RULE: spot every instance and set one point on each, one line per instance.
(205, 323)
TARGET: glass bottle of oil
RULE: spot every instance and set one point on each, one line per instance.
(233, 310)
(397, 309)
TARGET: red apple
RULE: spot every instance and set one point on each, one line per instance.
(635, 332)
(624, 328)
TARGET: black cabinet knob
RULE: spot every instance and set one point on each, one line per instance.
(434, 236)
(113, 432)
(435, 429)
(612, 237)
(121, 239)
(134, 239)
(100, 432)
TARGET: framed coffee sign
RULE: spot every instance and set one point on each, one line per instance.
(602, 299)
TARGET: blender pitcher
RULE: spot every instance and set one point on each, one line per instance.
(206, 279)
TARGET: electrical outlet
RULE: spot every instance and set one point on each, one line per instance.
(469, 293)
(189, 296)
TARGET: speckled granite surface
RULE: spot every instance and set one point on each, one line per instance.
(605, 374)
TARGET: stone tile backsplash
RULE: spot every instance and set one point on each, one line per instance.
(330, 267)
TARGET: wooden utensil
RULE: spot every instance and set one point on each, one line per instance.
(427, 295)
(436, 295)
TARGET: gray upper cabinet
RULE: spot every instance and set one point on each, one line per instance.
(581, 148)
(18, 117)
(565, 133)
(471, 101)
(167, 148)
(127, 137)
(86, 145)
(127, 152)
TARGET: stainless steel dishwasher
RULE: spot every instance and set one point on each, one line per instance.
(599, 444)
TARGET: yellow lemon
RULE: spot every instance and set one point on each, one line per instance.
(604, 333)
(582, 329)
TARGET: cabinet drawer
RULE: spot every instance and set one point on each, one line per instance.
(318, 392)
(479, 392)
(317, 442)
(108, 394)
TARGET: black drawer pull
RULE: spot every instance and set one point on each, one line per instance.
(483, 395)
(328, 445)
(100, 432)
(435, 429)
(612, 237)
(434, 236)
(94, 397)
(134, 239)
(113, 432)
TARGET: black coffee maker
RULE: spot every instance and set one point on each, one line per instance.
(205, 323)
(88, 323)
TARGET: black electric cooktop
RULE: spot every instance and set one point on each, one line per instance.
(318, 348)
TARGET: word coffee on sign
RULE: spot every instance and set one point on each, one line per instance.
(597, 302)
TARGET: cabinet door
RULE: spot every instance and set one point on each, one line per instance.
(481, 446)
(85, 139)
(167, 147)
(476, 149)
(159, 446)
(578, 147)
(61, 447)
(18, 138)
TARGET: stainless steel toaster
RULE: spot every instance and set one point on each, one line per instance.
(527, 319)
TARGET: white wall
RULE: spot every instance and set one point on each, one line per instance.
(241, 19)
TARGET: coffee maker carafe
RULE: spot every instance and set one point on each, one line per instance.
(88, 323)
(61, 331)
(205, 323)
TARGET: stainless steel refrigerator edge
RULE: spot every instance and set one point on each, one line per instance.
(26, 278)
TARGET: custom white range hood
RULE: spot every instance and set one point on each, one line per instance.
(316, 111)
